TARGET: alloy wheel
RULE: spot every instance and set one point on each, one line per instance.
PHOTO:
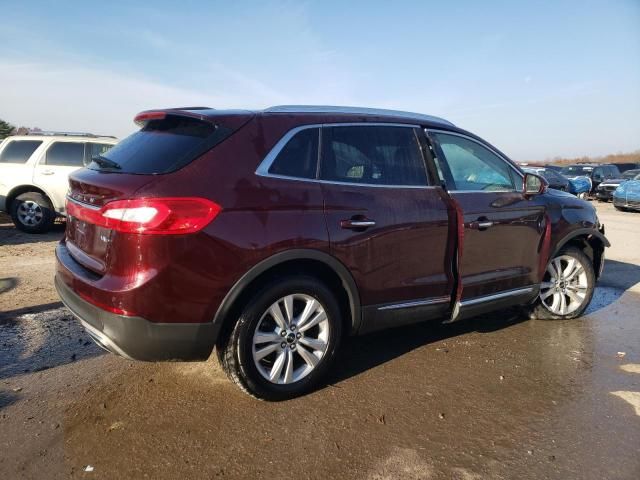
(290, 339)
(30, 213)
(565, 285)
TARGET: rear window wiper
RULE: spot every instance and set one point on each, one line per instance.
(105, 162)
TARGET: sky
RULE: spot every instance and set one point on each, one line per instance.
(538, 79)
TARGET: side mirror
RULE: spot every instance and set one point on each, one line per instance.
(534, 184)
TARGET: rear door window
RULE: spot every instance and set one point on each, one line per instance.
(378, 155)
(299, 157)
(65, 154)
(19, 151)
(161, 146)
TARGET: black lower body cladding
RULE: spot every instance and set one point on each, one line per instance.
(138, 338)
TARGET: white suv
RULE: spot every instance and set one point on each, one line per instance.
(34, 171)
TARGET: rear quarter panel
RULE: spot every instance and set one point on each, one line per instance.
(261, 216)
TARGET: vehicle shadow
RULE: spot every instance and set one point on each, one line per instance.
(7, 398)
(10, 235)
(617, 278)
(7, 284)
(361, 353)
(38, 338)
(10, 315)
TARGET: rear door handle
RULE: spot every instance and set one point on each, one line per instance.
(481, 224)
(357, 224)
(47, 172)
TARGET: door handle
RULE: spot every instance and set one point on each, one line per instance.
(481, 224)
(47, 172)
(357, 223)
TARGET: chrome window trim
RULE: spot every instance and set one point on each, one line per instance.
(497, 296)
(497, 154)
(356, 111)
(265, 165)
(417, 303)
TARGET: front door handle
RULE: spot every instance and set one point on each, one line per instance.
(47, 172)
(357, 223)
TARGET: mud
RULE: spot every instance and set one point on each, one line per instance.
(493, 397)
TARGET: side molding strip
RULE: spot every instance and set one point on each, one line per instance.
(496, 296)
(417, 303)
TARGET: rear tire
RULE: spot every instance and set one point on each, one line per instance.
(298, 359)
(567, 287)
(32, 212)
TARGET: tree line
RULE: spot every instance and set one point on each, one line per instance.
(7, 129)
(633, 157)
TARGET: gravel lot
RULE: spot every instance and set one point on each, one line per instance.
(492, 397)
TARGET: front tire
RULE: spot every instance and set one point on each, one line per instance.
(32, 212)
(285, 339)
(567, 286)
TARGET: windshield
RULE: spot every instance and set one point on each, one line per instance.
(629, 174)
(575, 170)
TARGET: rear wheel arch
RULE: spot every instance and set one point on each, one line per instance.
(20, 189)
(308, 262)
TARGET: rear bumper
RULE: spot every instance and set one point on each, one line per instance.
(137, 338)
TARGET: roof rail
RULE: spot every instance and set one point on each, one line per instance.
(355, 111)
(189, 108)
(47, 133)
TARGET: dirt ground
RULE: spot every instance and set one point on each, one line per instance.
(492, 397)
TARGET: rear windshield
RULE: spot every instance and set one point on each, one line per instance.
(577, 170)
(161, 146)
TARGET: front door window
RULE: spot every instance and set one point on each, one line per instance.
(473, 167)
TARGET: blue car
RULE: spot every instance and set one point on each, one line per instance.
(627, 195)
(580, 186)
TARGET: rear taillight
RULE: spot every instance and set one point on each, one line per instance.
(150, 216)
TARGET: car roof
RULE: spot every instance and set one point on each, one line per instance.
(85, 137)
(346, 113)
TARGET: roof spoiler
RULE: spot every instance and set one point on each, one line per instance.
(192, 112)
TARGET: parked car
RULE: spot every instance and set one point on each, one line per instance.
(556, 180)
(623, 167)
(597, 172)
(627, 195)
(580, 187)
(605, 190)
(34, 171)
(272, 234)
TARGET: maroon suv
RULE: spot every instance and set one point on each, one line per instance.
(272, 234)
